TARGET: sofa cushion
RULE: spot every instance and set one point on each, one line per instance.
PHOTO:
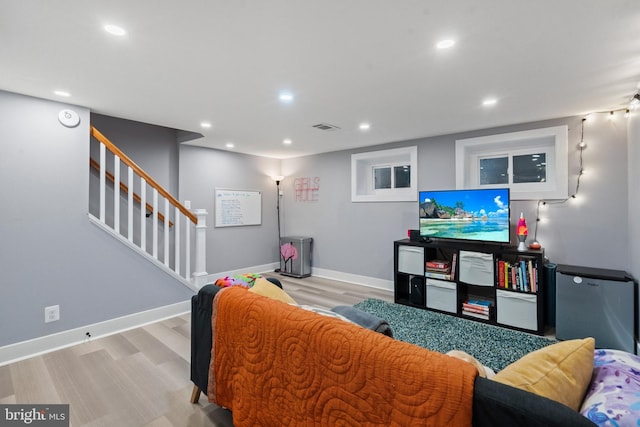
(497, 405)
(263, 287)
(560, 372)
(612, 398)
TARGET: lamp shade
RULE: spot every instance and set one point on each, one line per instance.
(522, 226)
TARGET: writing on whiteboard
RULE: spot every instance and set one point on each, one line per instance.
(237, 207)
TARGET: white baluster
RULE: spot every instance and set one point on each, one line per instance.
(166, 232)
(103, 185)
(116, 193)
(155, 223)
(130, 204)
(187, 250)
(143, 214)
(176, 240)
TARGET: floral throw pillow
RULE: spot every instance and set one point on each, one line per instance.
(613, 397)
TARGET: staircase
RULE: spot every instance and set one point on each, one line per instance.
(129, 204)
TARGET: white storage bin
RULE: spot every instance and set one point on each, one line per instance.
(441, 295)
(516, 309)
(411, 260)
(476, 268)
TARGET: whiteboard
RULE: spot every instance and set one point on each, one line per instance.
(237, 207)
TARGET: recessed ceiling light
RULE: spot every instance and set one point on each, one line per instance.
(445, 44)
(229, 145)
(205, 125)
(287, 141)
(364, 126)
(286, 97)
(62, 93)
(115, 30)
(489, 102)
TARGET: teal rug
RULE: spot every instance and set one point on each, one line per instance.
(493, 346)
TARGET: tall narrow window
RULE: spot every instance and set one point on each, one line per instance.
(381, 177)
(402, 175)
(494, 170)
(530, 168)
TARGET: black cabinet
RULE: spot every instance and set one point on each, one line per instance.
(496, 284)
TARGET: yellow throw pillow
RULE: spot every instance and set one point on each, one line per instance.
(560, 372)
(267, 289)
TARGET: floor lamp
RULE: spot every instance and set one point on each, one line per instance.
(277, 179)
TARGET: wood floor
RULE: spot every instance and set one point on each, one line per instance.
(141, 377)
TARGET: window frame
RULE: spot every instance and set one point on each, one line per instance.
(362, 175)
(553, 141)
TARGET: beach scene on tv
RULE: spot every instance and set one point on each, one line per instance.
(465, 214)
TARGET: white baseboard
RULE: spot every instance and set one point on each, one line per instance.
(37, 346)
(372, 282)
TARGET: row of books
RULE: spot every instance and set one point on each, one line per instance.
(520, 275)
(441, 269)
(480, 309)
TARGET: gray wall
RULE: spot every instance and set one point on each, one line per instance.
(202, 170)
(51, 253)
(153, 148)
(357, 238)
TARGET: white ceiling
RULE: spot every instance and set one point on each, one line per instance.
(346, 61)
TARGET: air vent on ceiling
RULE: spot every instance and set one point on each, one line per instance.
(325, 126)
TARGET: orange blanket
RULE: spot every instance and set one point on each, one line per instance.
(275, 364)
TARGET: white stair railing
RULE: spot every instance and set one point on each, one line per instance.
(168, 231)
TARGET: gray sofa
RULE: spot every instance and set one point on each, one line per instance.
(494, 404)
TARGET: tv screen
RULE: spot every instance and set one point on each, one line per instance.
(481, 215)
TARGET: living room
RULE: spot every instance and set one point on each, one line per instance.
(53, 255)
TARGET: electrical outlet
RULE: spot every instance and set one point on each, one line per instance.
(51, 313)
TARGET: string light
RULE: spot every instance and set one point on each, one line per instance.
(581, 146)
(634, 103)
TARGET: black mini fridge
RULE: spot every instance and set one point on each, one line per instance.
(598, 303)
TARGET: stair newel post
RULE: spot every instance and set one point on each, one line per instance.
(200, 274)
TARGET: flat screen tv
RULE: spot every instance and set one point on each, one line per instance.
(481, 215)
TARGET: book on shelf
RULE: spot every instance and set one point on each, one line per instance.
(443, 271)
(478, 305)
(481, 302)
(476, 315)
(475, 309)
(438, 264)
(520, 275)
(453, 264)
(439, 270)
(438, 275)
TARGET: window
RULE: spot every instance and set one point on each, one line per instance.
(381, 177)
(391, 177)
(533, 164)
(386, 175)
